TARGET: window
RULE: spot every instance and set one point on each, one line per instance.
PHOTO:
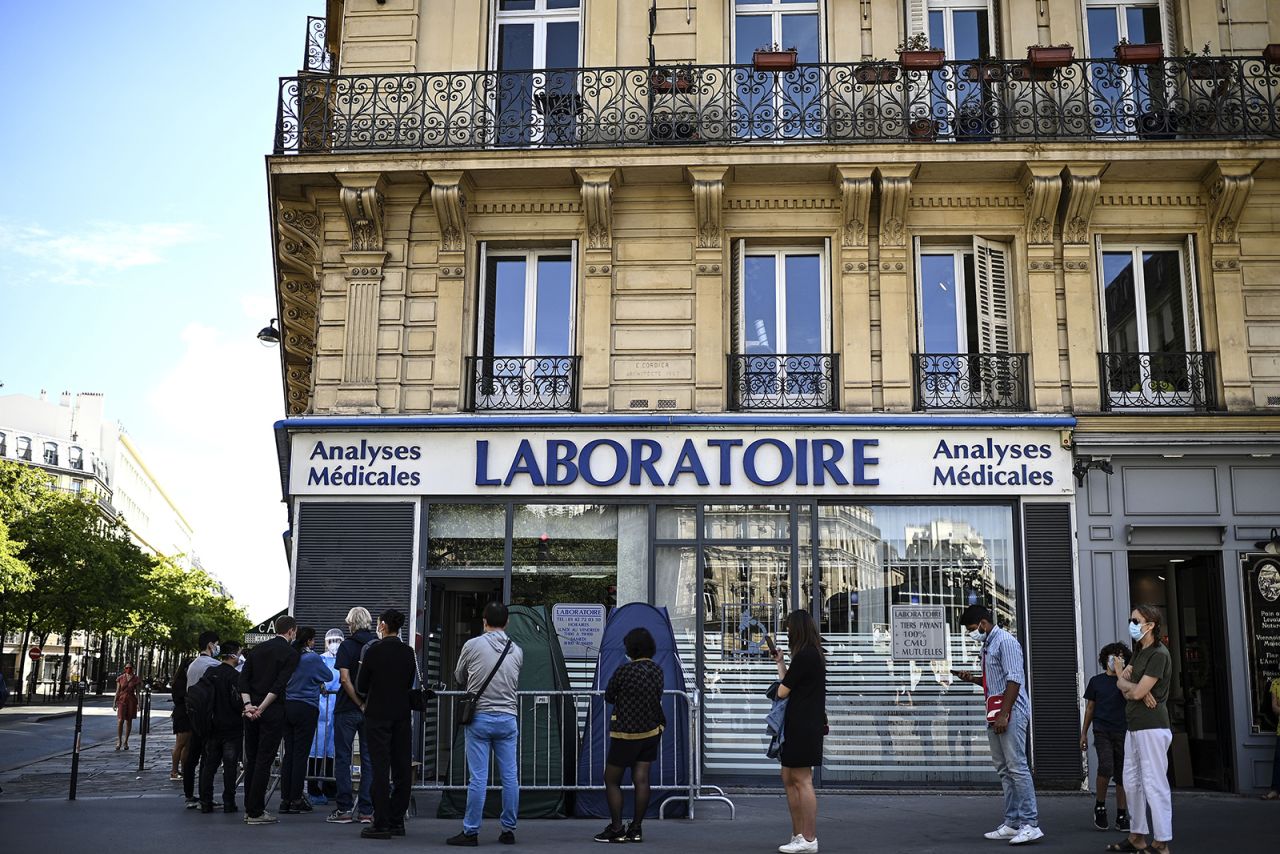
(785, 23)
(1129, 99)
(961, 102)
(4, 444)
(76, 486)
(536, 46)
(965, 29)
(50, 453)
(770, 105)
(76, 455)
(1109, 21)
(24, 448)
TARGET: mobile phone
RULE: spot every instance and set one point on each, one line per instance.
(768, 641)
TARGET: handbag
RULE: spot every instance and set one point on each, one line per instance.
(421, 695)
(994, 704)
(467, 704)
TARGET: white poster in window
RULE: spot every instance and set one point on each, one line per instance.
(919, 632)
(580, 628)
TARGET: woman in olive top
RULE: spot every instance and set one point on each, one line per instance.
(1145, 685)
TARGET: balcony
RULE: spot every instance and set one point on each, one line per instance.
(522, 383)
(778, 381)
(971, 381)
(1158, 381)
(848, 103)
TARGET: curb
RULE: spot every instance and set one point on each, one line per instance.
(56, 716)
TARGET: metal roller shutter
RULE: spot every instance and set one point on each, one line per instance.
(348, 555)
(1051, 618)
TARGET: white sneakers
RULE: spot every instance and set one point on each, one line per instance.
(1015, 836)
(799, 845)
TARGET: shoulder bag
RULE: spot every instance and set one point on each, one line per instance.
(467, 703)
(995, 704)
(421, 694)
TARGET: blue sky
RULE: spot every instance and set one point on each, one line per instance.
(135, 255)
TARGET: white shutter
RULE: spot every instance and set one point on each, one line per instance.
(991, 270)
(1168, 28)
(1190, 291)
(917, 17)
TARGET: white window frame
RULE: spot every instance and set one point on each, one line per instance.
(1165, 8)
(779, 254)
(539, 16)
(958, 250)
(775, 9)
(948, 36)
(530, 256)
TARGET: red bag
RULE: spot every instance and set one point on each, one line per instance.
(994, 704)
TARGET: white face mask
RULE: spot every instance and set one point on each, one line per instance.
(333, 647)
(978, 635)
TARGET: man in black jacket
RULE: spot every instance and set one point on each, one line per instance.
(263, 680)
(386, 677)
(223, 744)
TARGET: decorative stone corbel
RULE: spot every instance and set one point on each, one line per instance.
(362, 202)
(298, 251)
(1043, 186)
(597, 206)
(855, 185)
(1229, 183)
(708, 203)
(895, 192)
(449, 198)
(1082, 184)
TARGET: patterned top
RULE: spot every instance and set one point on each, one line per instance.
(635, 690)
(1001, 664)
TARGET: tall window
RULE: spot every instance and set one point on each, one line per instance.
(24, 448)
(76, 455)
(1129, 99)
(778, 105)
(1109, 21)
(50, 453)
(4, 444)
(961, 101)
(963, 28)
(536, 46)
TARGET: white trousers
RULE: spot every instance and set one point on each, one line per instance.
(1146, 782)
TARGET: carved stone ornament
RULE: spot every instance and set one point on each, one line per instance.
(298, 250)
(855, 185)
(708, 203)
(1229, 184)
(448, 197)
(597, 206)
(1082, 185)
(364, 209)
(895, 192)
(1043, 187)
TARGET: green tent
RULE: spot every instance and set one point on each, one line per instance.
(548, 727)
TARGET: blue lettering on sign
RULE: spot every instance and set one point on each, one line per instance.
(355, 465)
(989, 459)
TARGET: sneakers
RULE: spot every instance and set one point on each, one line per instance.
(174, 776)
(507, 837)
(366, 818)
(192, 803)
(799, 845)
(1100, 817)
(464, 838)
(1122, 821)
(1004, 831)
(339, 816)
(1029, 833)
(609, 834)
(302, 805)
(634, 833)
(264, 818)
(288, 808)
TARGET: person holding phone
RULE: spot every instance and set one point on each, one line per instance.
(804, 687)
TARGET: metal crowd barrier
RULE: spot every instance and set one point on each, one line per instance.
(554, 731)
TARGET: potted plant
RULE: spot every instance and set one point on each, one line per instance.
(1050, 56)
(915, 54)
(774, 59)
(1271, 54)
(1138, 54)
(875, 73)
(923, 130)
(665, 80)
(1201, 68)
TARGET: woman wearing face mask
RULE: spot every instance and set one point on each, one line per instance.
(301, 712)
(1145, 685)
(320, 791)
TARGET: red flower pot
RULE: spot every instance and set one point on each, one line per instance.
(1050, 57)
(922, 60)
(1139, 54)
(774, 60)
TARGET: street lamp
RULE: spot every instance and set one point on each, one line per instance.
(269, 335)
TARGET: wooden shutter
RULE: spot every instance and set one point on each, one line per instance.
(991, 270)
(917, 17)
(1191, 293)
(1168, 28)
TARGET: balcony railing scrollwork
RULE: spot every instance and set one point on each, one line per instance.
(777, 381)
(317, 59)
(964, 101)
(971, 381)
(515, 383)
(1159, 381)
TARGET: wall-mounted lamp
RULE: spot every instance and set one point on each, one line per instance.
(1082, 466)
(269, 335)
(1271, 546)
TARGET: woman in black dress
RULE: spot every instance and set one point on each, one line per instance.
(804, 687)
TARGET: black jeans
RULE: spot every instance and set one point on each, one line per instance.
(299, 729)
(224, 749)
(392, 762)
(261, 742)
(191, 759)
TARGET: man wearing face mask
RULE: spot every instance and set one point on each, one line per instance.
(301, 714)
(321, 791)
(1008, 719)
(204, 662)
(263, 681)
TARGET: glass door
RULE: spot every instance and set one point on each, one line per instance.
(537, 54)
(785, 105)
(785, 327)
(1123, 95)
(964, 103)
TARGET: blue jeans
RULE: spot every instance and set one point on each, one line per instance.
(496, 732)
(1009, 755)
(346, 724)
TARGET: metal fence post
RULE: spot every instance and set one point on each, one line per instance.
(75, 747)
(143, 726)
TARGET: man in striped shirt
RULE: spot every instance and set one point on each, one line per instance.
(1008, 719)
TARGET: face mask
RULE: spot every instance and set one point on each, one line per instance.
(216, 650)
(978, 635)
(333, 647)
(1135, 631)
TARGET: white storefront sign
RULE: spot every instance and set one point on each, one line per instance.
(919, 632)
(580, 628)
(825, 462)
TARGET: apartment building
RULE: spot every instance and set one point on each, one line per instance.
(730, 307)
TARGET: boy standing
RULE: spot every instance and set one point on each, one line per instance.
(1105, 711)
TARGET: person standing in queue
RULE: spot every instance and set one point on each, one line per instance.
(1008, 720)
(226, 731)
(348, 723)
(387, 674)
(263, 681)
(804, 687)
(203, 663)
(301, 712)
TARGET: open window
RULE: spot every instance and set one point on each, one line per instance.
(961, 101)
(788, 105)
(1129, 99)
(537, 50)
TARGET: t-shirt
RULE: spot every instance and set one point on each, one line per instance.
(348, 657)
(1154, 661)
(1108, 703)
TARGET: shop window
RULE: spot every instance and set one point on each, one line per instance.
(466, 537)
(24, 448)
(50, 453)
(536, 49)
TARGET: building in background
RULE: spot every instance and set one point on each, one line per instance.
(722, 307)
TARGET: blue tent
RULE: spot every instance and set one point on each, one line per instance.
(672, 767)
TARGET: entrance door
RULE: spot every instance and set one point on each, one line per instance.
(1189, 588)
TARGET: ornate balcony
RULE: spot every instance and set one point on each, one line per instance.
(1159, 381)
(791, 381)
(516, 383)
(971, 381)
(870, 102)
(317, 59)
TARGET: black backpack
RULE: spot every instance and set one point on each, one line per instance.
(200, 706)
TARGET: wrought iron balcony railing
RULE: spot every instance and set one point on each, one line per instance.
(317, 59)
(971, 101)
(982, 381)
(783, 381)
(1158, 381)
(507, 383)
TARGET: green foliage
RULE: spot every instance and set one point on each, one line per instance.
(23, 490)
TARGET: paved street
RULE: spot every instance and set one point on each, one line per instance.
(29, 733)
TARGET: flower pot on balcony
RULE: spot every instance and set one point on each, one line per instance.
(1050, 57)
(1139, 54)
(876, 73)
(1271, 54)
(1025, 72)
(922, 130)
(984, 72)
(775, 61)
(922, 60)
(1209, 69)
(680, 80)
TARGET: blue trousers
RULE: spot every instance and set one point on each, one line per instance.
(346, 724)
(497, 733)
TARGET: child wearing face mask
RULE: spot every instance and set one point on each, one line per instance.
(1105, 712)
(321, 791)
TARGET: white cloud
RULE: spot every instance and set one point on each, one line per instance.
(80, 257)
(212, 443)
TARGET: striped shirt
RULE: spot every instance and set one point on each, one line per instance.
(1002, 664)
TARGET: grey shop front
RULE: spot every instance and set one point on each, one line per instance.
(1182, 522)
(729, 523)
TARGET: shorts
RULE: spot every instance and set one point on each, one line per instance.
(181, 723)
(1110, 749)
(625, 752)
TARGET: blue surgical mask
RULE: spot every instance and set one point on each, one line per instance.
(1136, 631)
(216, 649)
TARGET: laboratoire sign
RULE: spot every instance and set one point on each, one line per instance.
(827, 462)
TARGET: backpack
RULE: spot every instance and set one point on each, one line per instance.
(200, 706)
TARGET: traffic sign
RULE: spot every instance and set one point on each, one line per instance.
(34, 653)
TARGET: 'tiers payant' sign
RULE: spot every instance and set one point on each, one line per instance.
(919, 632)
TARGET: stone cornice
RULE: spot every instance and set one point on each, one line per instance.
(707, 183)
(298, 229)
(856, 184)
(597, 204)
(1228, 183)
